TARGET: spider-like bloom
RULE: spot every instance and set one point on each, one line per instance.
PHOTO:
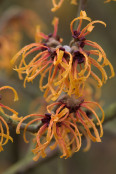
(64, 124)
(77, 111)
(56, 6)
(4, 129)
(64, 132)
(50, 60)
(108, 1)
(82, 58)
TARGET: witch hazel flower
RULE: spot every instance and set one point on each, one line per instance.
(53, 132)
(4, 128)
(67, 67)
(77, 111)
(82, 57)
(67, 121)
(51, 60)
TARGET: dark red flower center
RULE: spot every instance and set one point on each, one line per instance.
(46, 119)
(79, 57)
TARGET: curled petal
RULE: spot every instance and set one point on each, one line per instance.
(22, 50)
(90, 27)
(55, 24)
(83, 15)
(14, 91)
(60, 54)
(26, 117)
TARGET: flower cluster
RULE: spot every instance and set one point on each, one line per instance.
(69, 75)
(4, 129)
(69, 69)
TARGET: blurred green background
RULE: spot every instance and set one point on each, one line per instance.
(101, 158)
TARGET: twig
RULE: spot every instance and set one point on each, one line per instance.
(25, 164)
(82, 6)
(31, 128)
(110, 114)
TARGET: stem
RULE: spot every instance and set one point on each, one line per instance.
(31, 128)
(26, 164)
(82, 6)
(110, 114)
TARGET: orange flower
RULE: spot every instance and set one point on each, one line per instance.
(49, 61)
(65, 123)
(78, 109)
(56, 6)
(53, 129)
(82, 58)
(6, 134)
(2, 134)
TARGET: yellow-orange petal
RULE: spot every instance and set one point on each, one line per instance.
(83, 15)
(56, 6)
(9, 87)
(60, 54)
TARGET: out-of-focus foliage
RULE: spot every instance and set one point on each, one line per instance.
(13, 22)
